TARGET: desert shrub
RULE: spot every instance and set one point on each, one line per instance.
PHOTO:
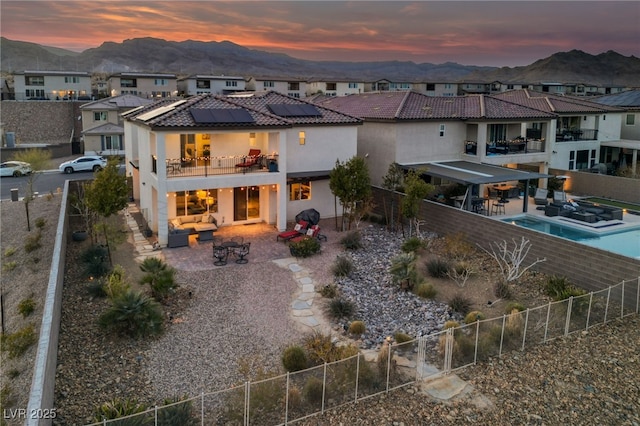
(403, 270)
(558, 288)
(464, 348)
(305, 247)
(342, 266)
(474, 316)
(514, 326)
(329, 291)
(385, 362)
(400, 337)
(9, 266)
(96, 288)
(426, 291)
(352, 240)
(340, 308)
(501, 290)
(321, 348)
(460, 304)
(177, 411)
(32, 242)
(95, 261)
(133, 314)
(412, 244)
(450, 324)
(438, 268)
(511, 306)
(312, 390)
(40, 222)
(159, 276)
(294, 358)
(120, 408)
(457, 247)
(16, 344)
(9, 251)
(295, 397)
(115, 284)
(26, 307)
(357, 328)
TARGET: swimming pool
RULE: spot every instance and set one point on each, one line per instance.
(623, 241)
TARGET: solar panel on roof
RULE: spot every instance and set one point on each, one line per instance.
(220, 115)
(294, 110)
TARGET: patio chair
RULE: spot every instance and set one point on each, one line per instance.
(242, 252)
(540, 197)
(220, 253)
(299, 229)
(250, 160)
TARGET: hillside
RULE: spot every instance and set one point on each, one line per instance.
(217, 58)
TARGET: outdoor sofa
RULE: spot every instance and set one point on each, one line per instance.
(586, 211)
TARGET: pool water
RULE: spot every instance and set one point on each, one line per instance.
(624, 241)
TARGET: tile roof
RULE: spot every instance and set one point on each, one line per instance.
(629, 99)
(553, 103)
(117, 102)
(255, 104)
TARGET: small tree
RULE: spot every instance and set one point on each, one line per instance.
(78, 201)
(38, 159)
(350, 183)
(416, 190)
(393, 181)
(510, 260)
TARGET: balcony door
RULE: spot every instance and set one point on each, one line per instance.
(246, 203)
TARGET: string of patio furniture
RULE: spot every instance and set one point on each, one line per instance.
(234, 246)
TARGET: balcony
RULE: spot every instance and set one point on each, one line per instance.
(515, 147)
(221, 165)
(569, 135)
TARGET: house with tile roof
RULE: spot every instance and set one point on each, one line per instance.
(103, 126)
(294, 87)
(52, 85)
(245, 158)
(199, 84)
(335, 87)
(146, 85)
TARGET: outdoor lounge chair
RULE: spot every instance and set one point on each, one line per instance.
(540, 197)
(299, 229)
(250, 160)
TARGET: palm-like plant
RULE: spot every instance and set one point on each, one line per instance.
(403, 270)
(133, 314)
(159, 276)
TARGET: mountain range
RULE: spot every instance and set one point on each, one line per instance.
(227, 58)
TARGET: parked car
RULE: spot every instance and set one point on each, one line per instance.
(15, 168)
(87, 163)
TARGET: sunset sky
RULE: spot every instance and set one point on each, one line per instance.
(501, 33)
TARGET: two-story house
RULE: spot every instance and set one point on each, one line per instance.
(52, 85)
(217, 84)
(386, 85)
(335, 87)
(102, 124)
(260, 157)
(296, 88)
(143, 84)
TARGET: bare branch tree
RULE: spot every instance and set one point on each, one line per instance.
(460, 275)
(511, 260)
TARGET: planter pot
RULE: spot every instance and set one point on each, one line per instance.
(79, 235)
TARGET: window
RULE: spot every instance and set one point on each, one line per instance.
(431, 87)
(294, 94)
(160, 82)
(128, 82)
(72, 79)
(100, 116)
(447, 86)
(112, 142)
(231, 83)
(196, 202)
(300, 191)
(36, 80)
(631, 120)
(353, 85)
(497, 132)
(35, 93)
(509, 86)
(572, 160)
(267, 84)
(203, 84)
(331, 86)
(442, 126)
(302, 137)
(293, 86)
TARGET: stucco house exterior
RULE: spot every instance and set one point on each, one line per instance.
(199, 84)
(337, 87)
(293, 87)
(199, 155)
(146, 85)
(102, 124)
(52, 85)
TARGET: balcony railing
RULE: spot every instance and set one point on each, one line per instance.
(568, 135)
(225, 165)
(515, 147)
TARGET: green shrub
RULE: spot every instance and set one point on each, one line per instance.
(340, 308)
(294, 359)
(426, 291)
(177, 411)
(460, 304)
(400, 337)
(116, 284)
(357, 328)
(9, 251)
(95, 261)
(120, 408)
(313, 390)
(474, 316)
(352, 240)
(305, 247)
(26, 307)
(17, 343)
(9, 266)
(403, 270)
(342, 266)
(40, 222)
(133, 314)
(96, 288)
(329, 291)
(511, 306)
(412, 244)
(321, 348)
(438, 268)
(32, 242)
(558, 288)
(159, 276)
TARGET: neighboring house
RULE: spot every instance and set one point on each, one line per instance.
(216, 84)
(385, 85)
(193, 156)
(102, 124)
(295, 88)
(143, 84)
(334, 87)
(474, 87)
(52, 85)
(411, 128)
(436, 89)
(617, 154)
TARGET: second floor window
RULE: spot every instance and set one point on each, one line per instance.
(331, 86)
(231, 83)
(161, 82)
(441, 131)
(268, 84)
(36, 80)
(203, 84)
(72, 79)
(631, 120)
(353, 85)
(293, 86)
(128, 82)
(99, 116)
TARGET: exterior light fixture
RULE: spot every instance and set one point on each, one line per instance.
(252, 139)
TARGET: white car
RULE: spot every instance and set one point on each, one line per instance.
(14, 168)
(88, 163)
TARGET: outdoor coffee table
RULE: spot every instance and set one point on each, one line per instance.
(206, 235)
(584, 217)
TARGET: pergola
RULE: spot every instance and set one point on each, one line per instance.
(469, 174)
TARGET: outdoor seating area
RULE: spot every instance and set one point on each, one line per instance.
(234, 247)
(583, 211)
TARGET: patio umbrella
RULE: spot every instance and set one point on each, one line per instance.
(310, 215)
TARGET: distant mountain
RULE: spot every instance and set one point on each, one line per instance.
(227, 58)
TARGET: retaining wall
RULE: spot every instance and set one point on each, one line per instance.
(605, 186)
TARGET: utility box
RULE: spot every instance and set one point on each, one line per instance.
(14, 194)
(10, 139)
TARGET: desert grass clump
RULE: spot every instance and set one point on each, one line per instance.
(133, 314)
(26, 307)
(16, 344)
(474, 316)
(385, 362)
(426, 291)
(559, 288)
(357, 328)
(9, 266)
(412, 245)
(313, 390)
(322, 348)
(437, 267)
(352, 240)
(401, 337)
(41, 222)
(514, 306)
(9, 251)
(340, 307)
(502, 290)
(342, 266)
(456, 246)
(294, 358)
(118, 408)
(32, 242)
(460, 304)
(329, 291)
(295, 397)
